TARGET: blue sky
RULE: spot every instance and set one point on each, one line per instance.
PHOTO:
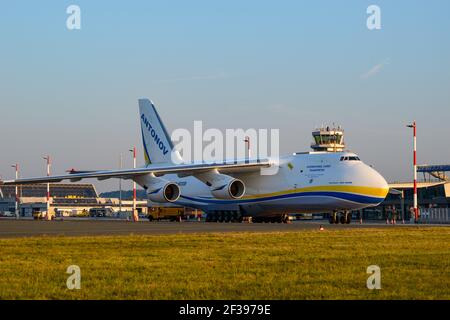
(290, 65)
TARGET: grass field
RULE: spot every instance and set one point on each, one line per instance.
(414, 262)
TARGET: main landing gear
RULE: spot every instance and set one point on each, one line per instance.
(284, 218)
(236, 216)
(224, 216)
(340, 217)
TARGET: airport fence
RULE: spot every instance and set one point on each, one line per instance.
(435, 215)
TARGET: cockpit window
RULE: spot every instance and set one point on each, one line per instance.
(350, 158)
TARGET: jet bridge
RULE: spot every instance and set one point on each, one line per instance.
(437, 171)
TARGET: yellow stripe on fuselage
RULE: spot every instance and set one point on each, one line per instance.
(366, 191)
(147, 160)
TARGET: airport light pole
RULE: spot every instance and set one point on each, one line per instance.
(135, 216)
(120, 186)
(402, 204)
(16, 206)
(247, 141)
(47, 159)
(416, 209)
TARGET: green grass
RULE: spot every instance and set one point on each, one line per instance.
(414, 262)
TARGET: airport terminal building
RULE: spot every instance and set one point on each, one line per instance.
(68, 199)
(433, 196)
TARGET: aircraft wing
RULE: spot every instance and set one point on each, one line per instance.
(158, 170)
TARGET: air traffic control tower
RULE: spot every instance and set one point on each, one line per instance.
(329, 139)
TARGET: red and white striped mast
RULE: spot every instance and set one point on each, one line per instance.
(47, 158)
(416, 209)
(134, 215)
(16, 207)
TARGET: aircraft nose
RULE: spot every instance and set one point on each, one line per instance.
(378, 182)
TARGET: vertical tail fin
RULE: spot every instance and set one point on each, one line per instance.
(157, 143)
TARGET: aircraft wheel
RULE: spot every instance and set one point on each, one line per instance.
(348, 218)
(220, 217)
(342, 219)
(333, 218)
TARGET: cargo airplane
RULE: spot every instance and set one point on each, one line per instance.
(326, 182)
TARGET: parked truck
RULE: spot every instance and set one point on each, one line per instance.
(42, 215)
(166, 213)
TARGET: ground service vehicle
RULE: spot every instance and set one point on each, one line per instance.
(101, 212)
(165, 213)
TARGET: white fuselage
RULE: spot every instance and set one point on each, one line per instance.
(305, 182)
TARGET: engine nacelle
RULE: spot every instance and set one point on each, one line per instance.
(228, 188)
(163, 191)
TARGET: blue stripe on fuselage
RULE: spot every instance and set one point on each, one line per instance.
(340, 195)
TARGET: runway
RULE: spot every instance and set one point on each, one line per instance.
(30, 228)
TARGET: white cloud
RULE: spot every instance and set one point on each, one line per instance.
(375, 69)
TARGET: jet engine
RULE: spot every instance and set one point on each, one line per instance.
(161, 190)
(227, 188)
